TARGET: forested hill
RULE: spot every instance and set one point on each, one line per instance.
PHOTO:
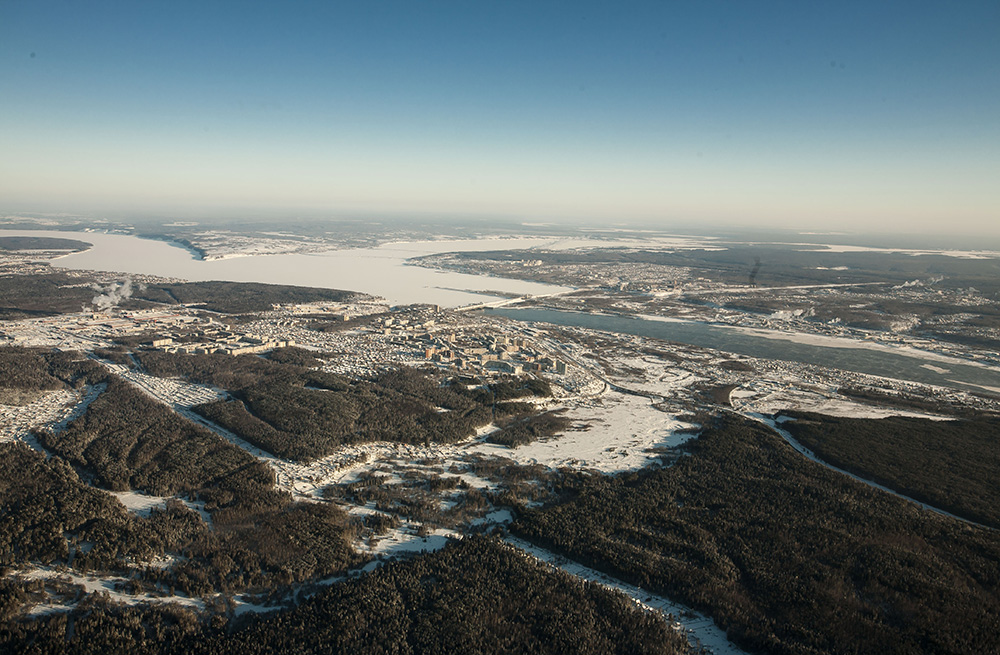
(477, 596)
(47, 292)
(300, 413)
(41, 243)
(786, 555)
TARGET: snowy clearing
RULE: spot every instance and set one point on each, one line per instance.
(623, 432)
(770, 398)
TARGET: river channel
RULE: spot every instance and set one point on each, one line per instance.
(848, 355)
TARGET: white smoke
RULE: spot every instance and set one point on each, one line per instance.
(919, 283)
(112, 295)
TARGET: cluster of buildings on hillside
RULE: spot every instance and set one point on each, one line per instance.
(141, 321)
(219, 340)
(76, 330)
(498, 354)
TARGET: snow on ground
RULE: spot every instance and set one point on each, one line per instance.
(53, 410)
(140, 503)
(700, 630)
(143, 504)
(477, 482)
(344, 465)
(958, 254)
(653, 374)
(495, 517)
(622, 431)
(981, 386)
(175, 392)
(404, 540)
(768, 397)
(92, 584)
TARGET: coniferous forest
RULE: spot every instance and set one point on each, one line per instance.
(949, 464)
(301, 413)
(451, 601)
(784, 554)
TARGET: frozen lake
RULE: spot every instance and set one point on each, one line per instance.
(380, 271)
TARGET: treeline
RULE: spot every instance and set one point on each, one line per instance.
(928, 401)
(41, 243)
(451, 601)
(784, 554)
(54, 292)
(118, 354)
(303, 414)
(780, 265)
(126, 440)
(295, 356)
(520, 431)
(512, 389)
(238, 297)
(40, 369)
(42, 294)
(952, 465)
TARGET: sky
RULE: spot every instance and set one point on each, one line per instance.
(839, 115)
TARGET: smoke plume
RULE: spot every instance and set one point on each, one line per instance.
(112, 295)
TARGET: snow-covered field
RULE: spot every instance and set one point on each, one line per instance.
(405, 540)
(53, 410)
(143, 504)
(622, 432)
(767, 397)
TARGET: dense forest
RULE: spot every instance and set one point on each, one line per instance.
(40, 369)
(47, 514)
(786, 555)
(519, 430)
(41, 243)
(299, 413)
(55, 292)
(952, 465)
(258, 537)
(42, 294)
(451, 601)
(127, 440)
(237, 297)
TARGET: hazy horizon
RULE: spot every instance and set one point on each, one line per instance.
(847, 117)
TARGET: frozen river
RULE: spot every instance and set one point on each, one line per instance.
(383, 271)
(844, 354)
(380, 271)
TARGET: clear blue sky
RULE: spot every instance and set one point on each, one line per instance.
(779, 113)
